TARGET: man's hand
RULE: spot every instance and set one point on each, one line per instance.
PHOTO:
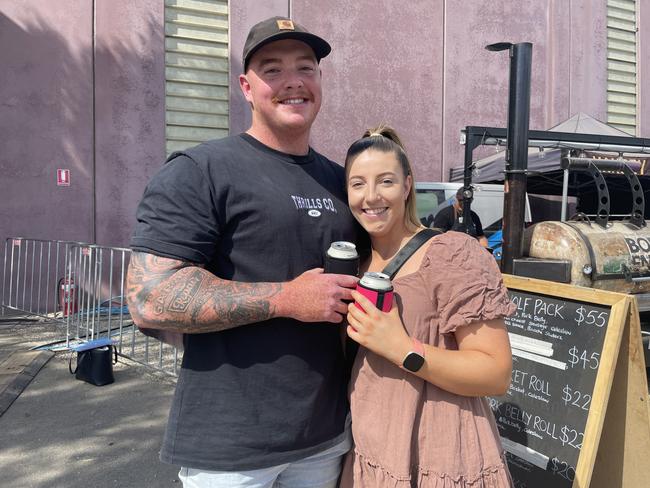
(315, 297)
(165, 293)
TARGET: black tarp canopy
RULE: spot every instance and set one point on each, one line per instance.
(580, 134)
(544, 159)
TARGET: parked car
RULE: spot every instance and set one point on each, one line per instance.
(431, 197)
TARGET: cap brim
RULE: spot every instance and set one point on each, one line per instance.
(320, 46)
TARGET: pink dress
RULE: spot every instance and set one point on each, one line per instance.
(408, 432)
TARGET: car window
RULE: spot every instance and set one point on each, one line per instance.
(427, 202)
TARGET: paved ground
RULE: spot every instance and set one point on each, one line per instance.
(62, 432)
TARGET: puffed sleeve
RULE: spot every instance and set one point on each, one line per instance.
(466, 284)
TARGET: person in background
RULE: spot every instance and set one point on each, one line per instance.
(450, 218)
(228, 249)
(419, 416)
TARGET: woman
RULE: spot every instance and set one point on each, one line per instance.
(423, 424)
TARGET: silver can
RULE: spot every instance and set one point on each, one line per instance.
(342, 258)
(377, 288)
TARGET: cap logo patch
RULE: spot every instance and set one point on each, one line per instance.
(285, 25)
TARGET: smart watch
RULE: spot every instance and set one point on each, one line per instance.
(414, 360)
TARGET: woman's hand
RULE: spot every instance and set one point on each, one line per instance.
(480, 366)
(381, 332)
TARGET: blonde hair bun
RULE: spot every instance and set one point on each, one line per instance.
(384, 130)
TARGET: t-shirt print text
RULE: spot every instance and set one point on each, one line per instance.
(314, 205)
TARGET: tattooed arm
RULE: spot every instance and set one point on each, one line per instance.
(171, 294)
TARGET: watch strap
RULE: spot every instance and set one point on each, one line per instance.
(418, 346)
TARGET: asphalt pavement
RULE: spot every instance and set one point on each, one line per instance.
(56, 431)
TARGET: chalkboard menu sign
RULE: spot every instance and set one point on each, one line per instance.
(556, 345)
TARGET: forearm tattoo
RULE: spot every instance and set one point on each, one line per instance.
(176, 295)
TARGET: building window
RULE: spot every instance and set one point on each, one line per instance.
(621, 65)
(196, 71)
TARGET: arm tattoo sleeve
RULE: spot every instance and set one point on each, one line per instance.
(171, 294)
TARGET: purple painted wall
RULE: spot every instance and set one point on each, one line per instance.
(588, 57)
(46, 96)
(424, 68)
(48, 115)
(568, 71)
(130, 115)
(384, 67)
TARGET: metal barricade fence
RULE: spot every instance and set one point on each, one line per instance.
(100, 309)
(32, 276)
(80, 288)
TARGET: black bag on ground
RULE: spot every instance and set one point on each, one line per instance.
(95, 362)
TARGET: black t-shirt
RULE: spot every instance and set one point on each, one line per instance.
(266, 393)
(447, 219)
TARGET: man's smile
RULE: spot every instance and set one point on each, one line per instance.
(290, 101)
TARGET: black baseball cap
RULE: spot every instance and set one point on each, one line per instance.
(460, 194)
(277, 28)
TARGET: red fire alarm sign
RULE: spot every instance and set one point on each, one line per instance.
(62, 177)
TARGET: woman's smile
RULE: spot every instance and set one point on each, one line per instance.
(375, 211)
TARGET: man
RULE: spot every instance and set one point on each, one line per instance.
(450, 218)
(228, 248)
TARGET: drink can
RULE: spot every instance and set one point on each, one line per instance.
(342, 258)
(377, 288)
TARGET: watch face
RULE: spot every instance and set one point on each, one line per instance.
(413, 362)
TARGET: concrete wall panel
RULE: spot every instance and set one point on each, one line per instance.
(385, 66)
(477, 80)
(45, 97)
(587, 76)
(558, 62)
(130, 110)
(48, 105)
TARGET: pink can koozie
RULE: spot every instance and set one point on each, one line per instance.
(377, 288)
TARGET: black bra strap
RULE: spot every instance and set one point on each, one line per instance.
(411, 246)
